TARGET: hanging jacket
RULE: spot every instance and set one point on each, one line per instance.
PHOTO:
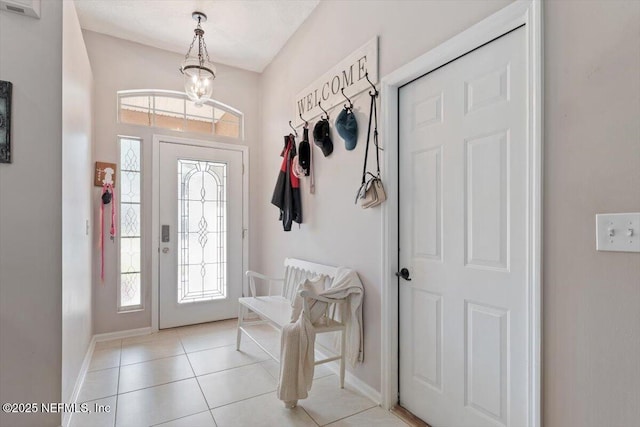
(286, 195)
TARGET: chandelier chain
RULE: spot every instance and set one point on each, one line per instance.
(202, 45)
(206, 52)
(191, 46)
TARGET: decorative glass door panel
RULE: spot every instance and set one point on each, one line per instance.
(202, 230)
(200, 213)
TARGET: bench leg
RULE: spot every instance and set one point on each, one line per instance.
(343, 342)
(240, 319)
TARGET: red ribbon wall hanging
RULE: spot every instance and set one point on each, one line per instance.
(108, 197)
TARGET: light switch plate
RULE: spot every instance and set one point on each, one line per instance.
(618, 232)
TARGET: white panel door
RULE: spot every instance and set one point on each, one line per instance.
(463, 238)
(200, 212)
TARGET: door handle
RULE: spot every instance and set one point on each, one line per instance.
(165, 250)
(404, 273)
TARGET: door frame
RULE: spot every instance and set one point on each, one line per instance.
(155, 212)
(521, 12)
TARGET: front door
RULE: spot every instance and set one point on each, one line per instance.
(200, 212)
(463, 238)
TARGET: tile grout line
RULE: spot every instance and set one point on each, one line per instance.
(266, 370)
(177, 380)
(98, 398)
(215, 372)
(309, 415)
(115, 413)
(278, 363)
(176, 419)
(109, 367)
(104, 369)
(233, 367)
(242, 400)
(179, 336)
(156, 385)
(154, 359)
(118, 393)
(349, 416)
(252, 397)
(166, 357)
(212, 348)
(223, 370)
(206, 402)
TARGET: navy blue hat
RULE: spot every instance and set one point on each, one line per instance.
(347, 128)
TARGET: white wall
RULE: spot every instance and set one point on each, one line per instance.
(119, 65)
(31, 216)
(592, 165)
(77, 179)
(335, 231)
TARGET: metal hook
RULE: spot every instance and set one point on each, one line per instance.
(350, 107)
(375, 91)
(294, 129)
(306, 123)
(323, 110)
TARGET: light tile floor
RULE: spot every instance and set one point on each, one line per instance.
(194, 377)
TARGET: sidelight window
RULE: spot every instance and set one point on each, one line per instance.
(130, 272)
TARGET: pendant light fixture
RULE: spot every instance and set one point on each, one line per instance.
(197, 69)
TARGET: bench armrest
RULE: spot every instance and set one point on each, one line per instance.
(252, 275)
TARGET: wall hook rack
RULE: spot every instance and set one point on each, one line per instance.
(306, 123)
(375, 91)
(350, 107)
(295, 132)
(324, 111)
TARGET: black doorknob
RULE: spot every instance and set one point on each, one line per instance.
(404, 273)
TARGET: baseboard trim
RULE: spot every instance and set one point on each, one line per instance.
(107, 336)
(66, 418)
(84, 368)
(351, 380)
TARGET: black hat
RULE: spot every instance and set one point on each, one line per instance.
(304, 152)
(106, 197)
(347, 128)
(322, 138)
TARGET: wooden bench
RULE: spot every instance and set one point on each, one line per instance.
(275, 307)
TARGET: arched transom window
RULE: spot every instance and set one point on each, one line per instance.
(173, 110)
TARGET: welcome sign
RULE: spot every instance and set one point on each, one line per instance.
(348, 74)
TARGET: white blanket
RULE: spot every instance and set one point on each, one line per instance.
(298, 338)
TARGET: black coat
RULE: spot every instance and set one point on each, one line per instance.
(286, 195)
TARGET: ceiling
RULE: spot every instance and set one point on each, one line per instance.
(241, 33)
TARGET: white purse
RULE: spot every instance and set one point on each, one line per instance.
(371, 192)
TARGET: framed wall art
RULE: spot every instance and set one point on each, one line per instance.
(105, 174)
(5, 121)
